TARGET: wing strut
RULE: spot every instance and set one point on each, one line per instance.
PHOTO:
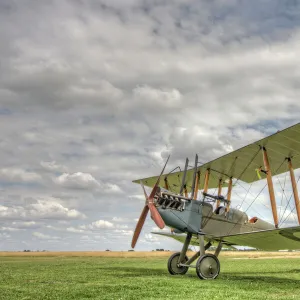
(183, 183)
(229, 194)
(219, 192)
(194, 177)
(270, 185)
(206, 179)
(197, 185)
(166, 183)
(295, 189)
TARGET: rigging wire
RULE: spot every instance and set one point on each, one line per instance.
(248, 191)
(282, 198)
(288, 202)
(292, 209)
(286, 208)
(244, 202)
(217, 179)
(254, 199)
(245, 169)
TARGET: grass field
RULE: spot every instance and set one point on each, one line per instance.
(67, 277)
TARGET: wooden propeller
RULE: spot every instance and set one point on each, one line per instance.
(149, 205)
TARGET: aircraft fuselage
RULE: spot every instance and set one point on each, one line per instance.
(194, 216)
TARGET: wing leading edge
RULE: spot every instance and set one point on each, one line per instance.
(275, 239)
(242, 163)
(269, 240)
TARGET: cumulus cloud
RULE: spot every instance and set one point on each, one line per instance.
(52, 166)
(119, 220)
(74, 230)
(157, 98)
(26, 224)
(17, 175)
(77, 180)
(150, 239)
(95, 95)
(9, 229)
(41, 209)
(85, 181)
(124, 232)
(100, 224)
(43, 236)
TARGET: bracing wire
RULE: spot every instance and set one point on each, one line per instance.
(254, 199)
(292, 209)
(264, 186)
(245, 169)
(247, 192)
(282, 198)
(288, 202)
(215, 189)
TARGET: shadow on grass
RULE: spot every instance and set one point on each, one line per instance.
(135, 272)
(131, 272)
(268, 272)
(260, 279)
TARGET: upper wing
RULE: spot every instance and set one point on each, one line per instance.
(242, 163)
(275, 239)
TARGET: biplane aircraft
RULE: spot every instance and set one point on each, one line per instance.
(210, 219)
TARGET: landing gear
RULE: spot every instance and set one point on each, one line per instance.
(177, 262)
(173, 265)
(208, 267)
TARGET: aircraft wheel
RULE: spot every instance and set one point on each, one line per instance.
(208, 267)
(173, 267)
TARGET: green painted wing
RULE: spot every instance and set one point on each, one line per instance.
(269, 240)
(275, 239)
(242, 163)
(180, 237)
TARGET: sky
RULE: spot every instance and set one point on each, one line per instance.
(95, 94)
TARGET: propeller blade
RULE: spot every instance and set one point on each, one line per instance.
(155, 215)
(153, 192)
(149, 205)
(139, 225)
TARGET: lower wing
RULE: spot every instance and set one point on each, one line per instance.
(274, 239)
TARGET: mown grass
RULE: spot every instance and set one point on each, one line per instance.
(144, 278)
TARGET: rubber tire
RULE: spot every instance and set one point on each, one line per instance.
(172, 265)
(202, 267)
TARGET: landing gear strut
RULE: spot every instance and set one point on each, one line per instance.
(207, 266)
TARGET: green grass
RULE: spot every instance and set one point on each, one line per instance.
(141, 278)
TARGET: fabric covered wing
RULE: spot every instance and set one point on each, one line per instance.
(242, 163)
(180, 237)
(275, 239)
(270, 240)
